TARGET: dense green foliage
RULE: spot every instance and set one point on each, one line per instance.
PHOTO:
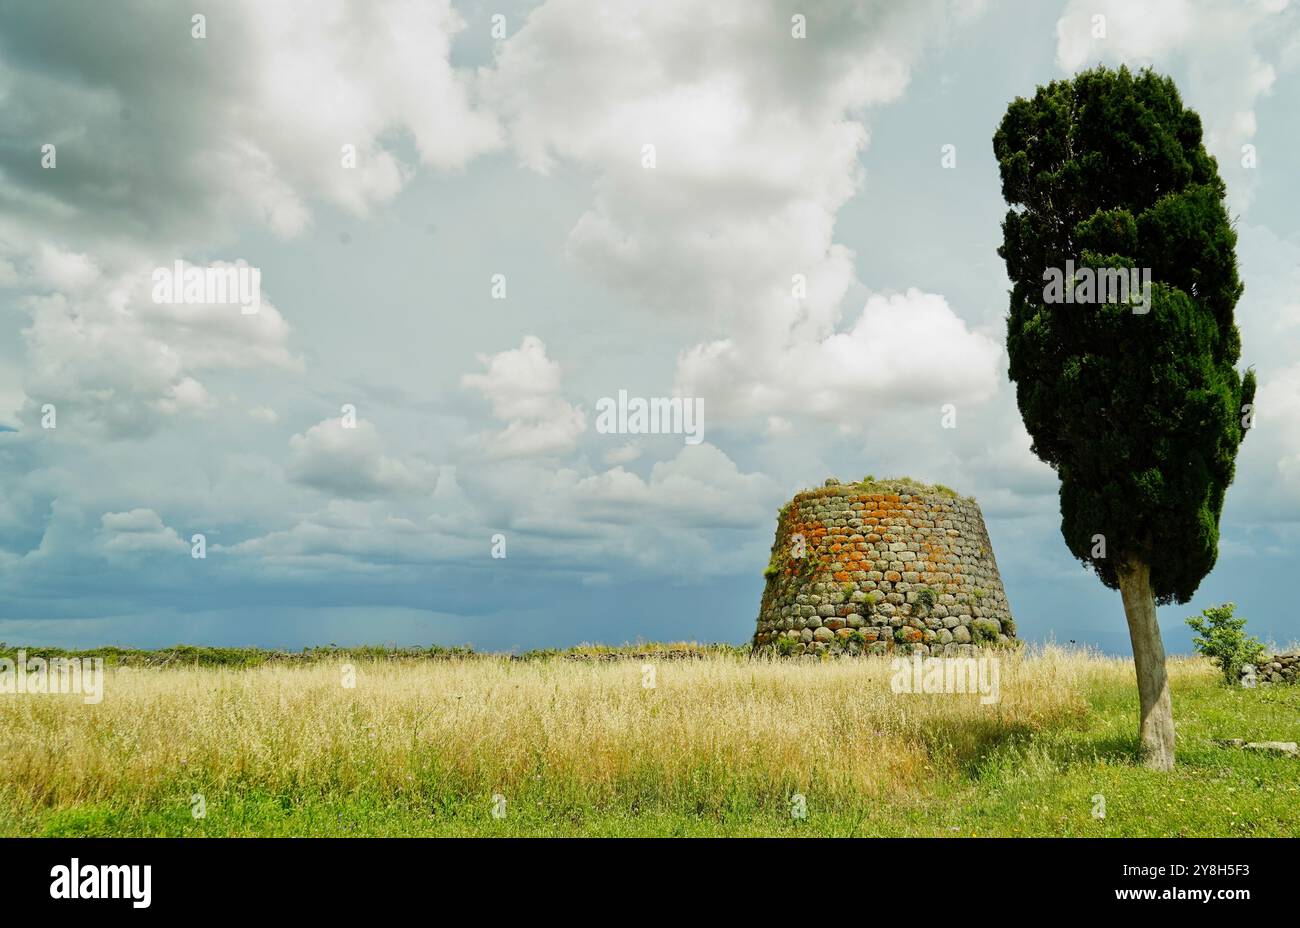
(1141, 414)
(1221, 636)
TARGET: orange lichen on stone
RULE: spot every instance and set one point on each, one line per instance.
(869, 556)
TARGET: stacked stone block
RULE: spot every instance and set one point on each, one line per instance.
(1279, 668)
(874, 567)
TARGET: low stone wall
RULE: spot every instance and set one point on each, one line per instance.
(870, 567)
(1280, 668)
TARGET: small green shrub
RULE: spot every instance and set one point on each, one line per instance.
(1222, 638)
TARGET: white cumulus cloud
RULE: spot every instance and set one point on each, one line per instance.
(722, 147)
(351, 462)
(523, 386)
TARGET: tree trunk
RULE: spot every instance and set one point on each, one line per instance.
(1157, 729)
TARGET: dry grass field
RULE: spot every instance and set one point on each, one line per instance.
(719, 745)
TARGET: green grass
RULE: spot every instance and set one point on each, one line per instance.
(903, 486)
(1037, 782)
(184, 655)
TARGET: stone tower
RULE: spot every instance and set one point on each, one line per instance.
(867, 567)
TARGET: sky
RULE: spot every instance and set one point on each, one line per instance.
(475, 222)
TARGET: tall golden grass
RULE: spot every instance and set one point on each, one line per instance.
(710, 728)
